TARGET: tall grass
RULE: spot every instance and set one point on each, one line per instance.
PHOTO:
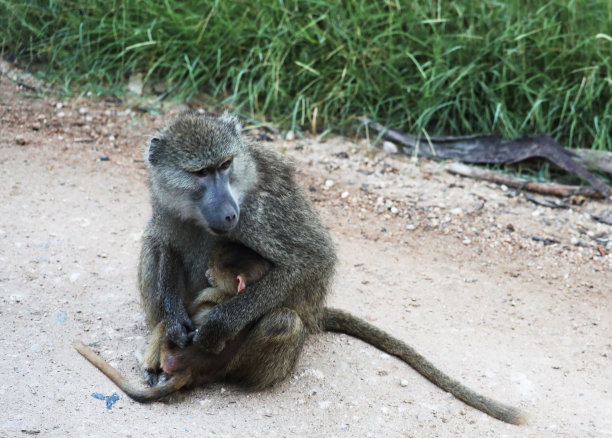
(435, 67)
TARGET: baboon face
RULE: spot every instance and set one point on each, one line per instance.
(214, 198)
(193, 164)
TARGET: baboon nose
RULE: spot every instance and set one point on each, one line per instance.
(230, 218)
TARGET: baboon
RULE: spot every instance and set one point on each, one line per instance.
(210, 184)
(230, 268)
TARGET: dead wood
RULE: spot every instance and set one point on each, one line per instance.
(491, 149)
(600, 161)
(517, 183)
(546, 202)
(605, 217)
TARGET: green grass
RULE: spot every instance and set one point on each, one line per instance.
(435, 67)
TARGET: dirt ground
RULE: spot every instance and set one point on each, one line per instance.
(453, 266)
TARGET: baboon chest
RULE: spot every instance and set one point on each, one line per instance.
(195, 264)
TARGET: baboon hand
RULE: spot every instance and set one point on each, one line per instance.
(180, 330)
(210, 278)
(212, 335)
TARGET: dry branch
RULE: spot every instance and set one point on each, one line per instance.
(600, 161)
(517, 183)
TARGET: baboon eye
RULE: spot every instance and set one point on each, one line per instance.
(226, 164)
(202, 172)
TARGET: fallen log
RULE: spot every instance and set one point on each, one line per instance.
(599, 161)
(491, 149)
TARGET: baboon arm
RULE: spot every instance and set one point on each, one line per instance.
(178, 324)
(227, 319)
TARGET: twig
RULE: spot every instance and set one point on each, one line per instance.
(510, 181)
(544, 240)
(605, 217)
(546, 202)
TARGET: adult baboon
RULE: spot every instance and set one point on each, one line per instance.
(209, 185)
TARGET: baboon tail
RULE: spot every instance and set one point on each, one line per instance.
(144, 395)
(339, 321)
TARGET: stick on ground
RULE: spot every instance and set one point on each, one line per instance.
(510, 181)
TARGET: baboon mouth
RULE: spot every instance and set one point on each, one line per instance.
(218, 231)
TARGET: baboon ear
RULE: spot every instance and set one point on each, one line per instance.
(153, 152)
(231, 122)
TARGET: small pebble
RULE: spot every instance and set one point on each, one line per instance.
(60, 317)
(104, 158)
(20, 140)
(389, 147)
(403, 383)
(329, 183)
(324, 404)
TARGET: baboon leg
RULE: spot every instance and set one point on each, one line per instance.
(157, 348)
(269, 352)
(152, 358)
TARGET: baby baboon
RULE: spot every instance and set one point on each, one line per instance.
(231, 268)
(208, 185)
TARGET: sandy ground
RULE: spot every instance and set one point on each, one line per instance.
(448, 264)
